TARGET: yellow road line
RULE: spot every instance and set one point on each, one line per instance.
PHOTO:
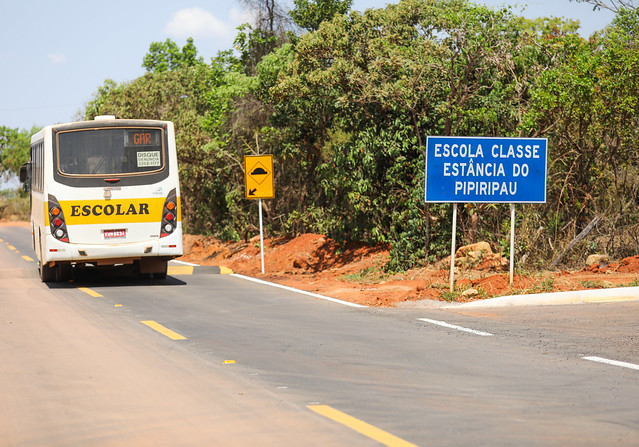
(226, 271)
(163, 330)
(90, 292)
(27, 258)
(11, 247)
(362, 427)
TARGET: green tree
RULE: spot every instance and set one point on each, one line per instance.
(15, 147)
(309, 14)
(363, 91)
(586, 104)
(166, 56)
(266, 32)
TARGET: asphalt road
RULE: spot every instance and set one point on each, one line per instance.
(219, 360)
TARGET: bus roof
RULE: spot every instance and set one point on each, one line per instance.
(100, 121)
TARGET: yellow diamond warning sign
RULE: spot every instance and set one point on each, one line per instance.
(258, 176)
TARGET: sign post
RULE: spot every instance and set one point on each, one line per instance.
(258, 182)
(486, 170)
(453, 248)
(512, 243)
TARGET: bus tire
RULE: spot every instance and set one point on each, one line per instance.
(63, 272)
(161, 274)
(47, 274)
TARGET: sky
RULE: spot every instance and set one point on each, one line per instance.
(55, 55)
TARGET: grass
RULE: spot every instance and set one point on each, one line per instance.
(449, 296)
(14, 204)
(592, 284)
(456, 294)
(372, 274)
(544, 286)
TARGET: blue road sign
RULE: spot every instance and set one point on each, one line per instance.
(486, 170)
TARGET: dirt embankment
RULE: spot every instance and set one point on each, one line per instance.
(355, 272)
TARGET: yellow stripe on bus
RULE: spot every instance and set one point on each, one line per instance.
(85, 212)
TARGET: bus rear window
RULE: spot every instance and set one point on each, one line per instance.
(110, 151)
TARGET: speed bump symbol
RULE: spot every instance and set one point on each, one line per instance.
(259, 174)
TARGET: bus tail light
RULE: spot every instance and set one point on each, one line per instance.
(56, 220)
(169, 214)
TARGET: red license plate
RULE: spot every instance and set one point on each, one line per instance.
(111, 234)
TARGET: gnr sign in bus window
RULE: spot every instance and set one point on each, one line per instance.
(148, 148)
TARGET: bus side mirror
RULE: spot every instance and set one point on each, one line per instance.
(24, 173)
(25, 177)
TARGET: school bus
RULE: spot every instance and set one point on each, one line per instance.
(104, 192)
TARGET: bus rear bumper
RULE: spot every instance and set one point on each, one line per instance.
(168, 247)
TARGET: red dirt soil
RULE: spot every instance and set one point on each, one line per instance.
(355, 272)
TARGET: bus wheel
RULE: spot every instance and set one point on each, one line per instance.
(47, 274)
(161, 274)
(63, 272)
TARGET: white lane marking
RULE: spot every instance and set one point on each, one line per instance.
(459, 328)
(612, 362)
(184, 263)
(303, 292)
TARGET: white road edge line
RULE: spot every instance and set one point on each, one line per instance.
(185, 263)
(291, 289)
(303, 292)
(612, 362)
(459, 328)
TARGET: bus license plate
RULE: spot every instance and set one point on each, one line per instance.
(112, 234)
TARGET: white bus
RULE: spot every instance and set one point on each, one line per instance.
(103, 193)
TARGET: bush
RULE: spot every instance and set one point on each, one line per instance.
(14, 205)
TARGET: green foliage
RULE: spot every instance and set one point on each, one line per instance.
(15, 204)
(309, 14)
(371, 275)
(385, 79)
(345, 109)
(166, 56)
(544, 285)
(592, 284)
(585, 102)
(253, 44)
(15, 147)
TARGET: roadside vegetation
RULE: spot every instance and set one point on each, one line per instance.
(344, 101)
(14, 204)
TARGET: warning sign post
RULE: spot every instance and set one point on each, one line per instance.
(258, 180)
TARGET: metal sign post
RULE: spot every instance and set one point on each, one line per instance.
(258, 180)
(453, 249)
(261, 236)
(512, 243)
